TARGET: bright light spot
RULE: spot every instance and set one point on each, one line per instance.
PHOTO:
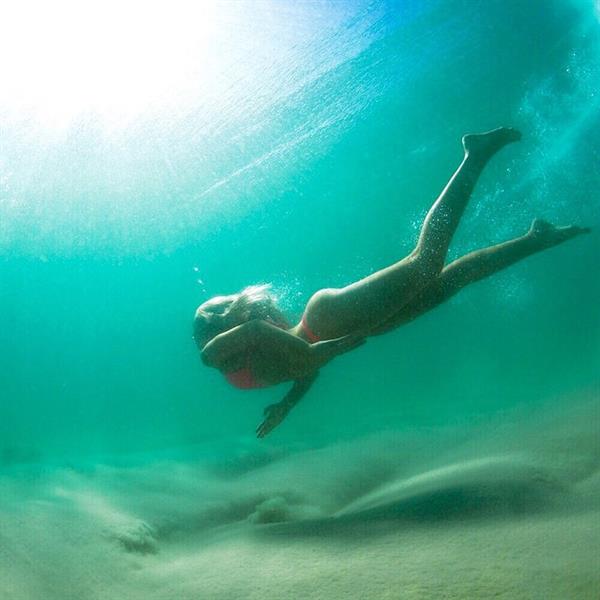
(112, 58)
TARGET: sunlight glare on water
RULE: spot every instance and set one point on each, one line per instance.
(114, 59)
(155, 109)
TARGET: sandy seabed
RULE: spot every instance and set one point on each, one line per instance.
(509, 509)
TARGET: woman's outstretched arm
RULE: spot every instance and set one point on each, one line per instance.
(276, 413)
(243, 338)
(275, 355)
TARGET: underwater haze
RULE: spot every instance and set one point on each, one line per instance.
(153, 155)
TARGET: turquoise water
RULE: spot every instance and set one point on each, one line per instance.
(301, 147)
(317, 171)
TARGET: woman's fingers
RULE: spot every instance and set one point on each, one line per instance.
(264, 428)
(266, 425)
(260, 430)
(274, 414)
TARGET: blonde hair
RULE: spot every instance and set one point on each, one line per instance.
(253, 302)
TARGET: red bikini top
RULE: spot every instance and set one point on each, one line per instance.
(243, 379)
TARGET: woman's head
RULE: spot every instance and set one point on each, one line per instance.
(222, 313)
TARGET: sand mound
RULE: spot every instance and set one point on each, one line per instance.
(509, 510)
(491, 485)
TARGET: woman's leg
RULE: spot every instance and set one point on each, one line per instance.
(367, 303)
(479, 265)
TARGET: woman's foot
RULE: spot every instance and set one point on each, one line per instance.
(551, 235)
(486, 144)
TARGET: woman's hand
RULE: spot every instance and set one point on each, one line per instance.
(274, 414)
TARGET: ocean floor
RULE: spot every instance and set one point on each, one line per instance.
(503, 509)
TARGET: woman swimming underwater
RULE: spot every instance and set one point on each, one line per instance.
(249, 340)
